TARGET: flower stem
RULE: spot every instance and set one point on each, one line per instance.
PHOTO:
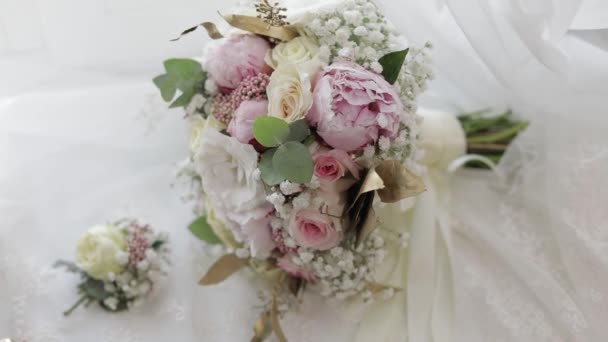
(76, 305)
(500, 135)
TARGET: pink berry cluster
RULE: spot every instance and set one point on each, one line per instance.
(137, 244)
(251, 88)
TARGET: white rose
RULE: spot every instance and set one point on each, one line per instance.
(297, 51)
(227, 170)
(290, 92)
(198, 125)
(98, 249)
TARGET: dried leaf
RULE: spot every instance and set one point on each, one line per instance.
(294, 284)
(222, 269)
(274, 322)
(368, 225)
(212, 31)
(376, 288)
(262, 328)
(399, 182)
(371, 182)
(259, 26)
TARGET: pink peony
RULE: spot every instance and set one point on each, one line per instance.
(234, 58)
(313, 229)
(353, 107)
(286, 264)
(241, 126)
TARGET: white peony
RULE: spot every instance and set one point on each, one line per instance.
(227, 169)
(97, 251)
(298, 51)
(290, 92)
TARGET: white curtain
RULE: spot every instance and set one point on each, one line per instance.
(530, 262)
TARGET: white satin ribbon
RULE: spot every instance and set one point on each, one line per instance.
(430, 296)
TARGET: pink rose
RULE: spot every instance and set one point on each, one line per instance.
(286, 264)
(353, 107)
(232, 59)
(332, 165)
(241, 126)
(316, 230)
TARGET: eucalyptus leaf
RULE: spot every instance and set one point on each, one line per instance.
(270, 131)
(182, 68)
(94, 288)
(269, 175)
(202, 230)
(183, 100)
(293, 161)
(392, 64)
(167, 86)
(298, 131)
(68, 265)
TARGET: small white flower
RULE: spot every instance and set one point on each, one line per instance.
(343, 34)
(211, 87)
(353, 17)
(346, 53)
(276, 199)
(197, 102)
(369, 151)
(122, 258)
(361, 31)
(333, 24)
(375, 36)
(302, 201)
(111, 302)
(289, 188)
(376, 67)
(257, 174)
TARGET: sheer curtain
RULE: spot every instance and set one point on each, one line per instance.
(531, 259)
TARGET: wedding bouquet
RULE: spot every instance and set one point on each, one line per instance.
(120, 264)
(300, 132)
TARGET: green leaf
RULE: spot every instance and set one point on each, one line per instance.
(202, 230)
(309, 141)
(269, 175)
(182, 68)
(94, 288)
(157, 244)
(183, 100)
(167, 86)
(68, 265)
(298, 131)
(293, 161)
(270, 131)
(392, 64)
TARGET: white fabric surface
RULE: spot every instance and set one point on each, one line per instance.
(529, 262)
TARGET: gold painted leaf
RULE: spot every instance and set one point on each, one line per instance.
(274, 322)
(212, 30)
(376, 288)
(222, 269)
(262, 328)
(399, 182)
(368, 225)
(259, 26)
(371, 182)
